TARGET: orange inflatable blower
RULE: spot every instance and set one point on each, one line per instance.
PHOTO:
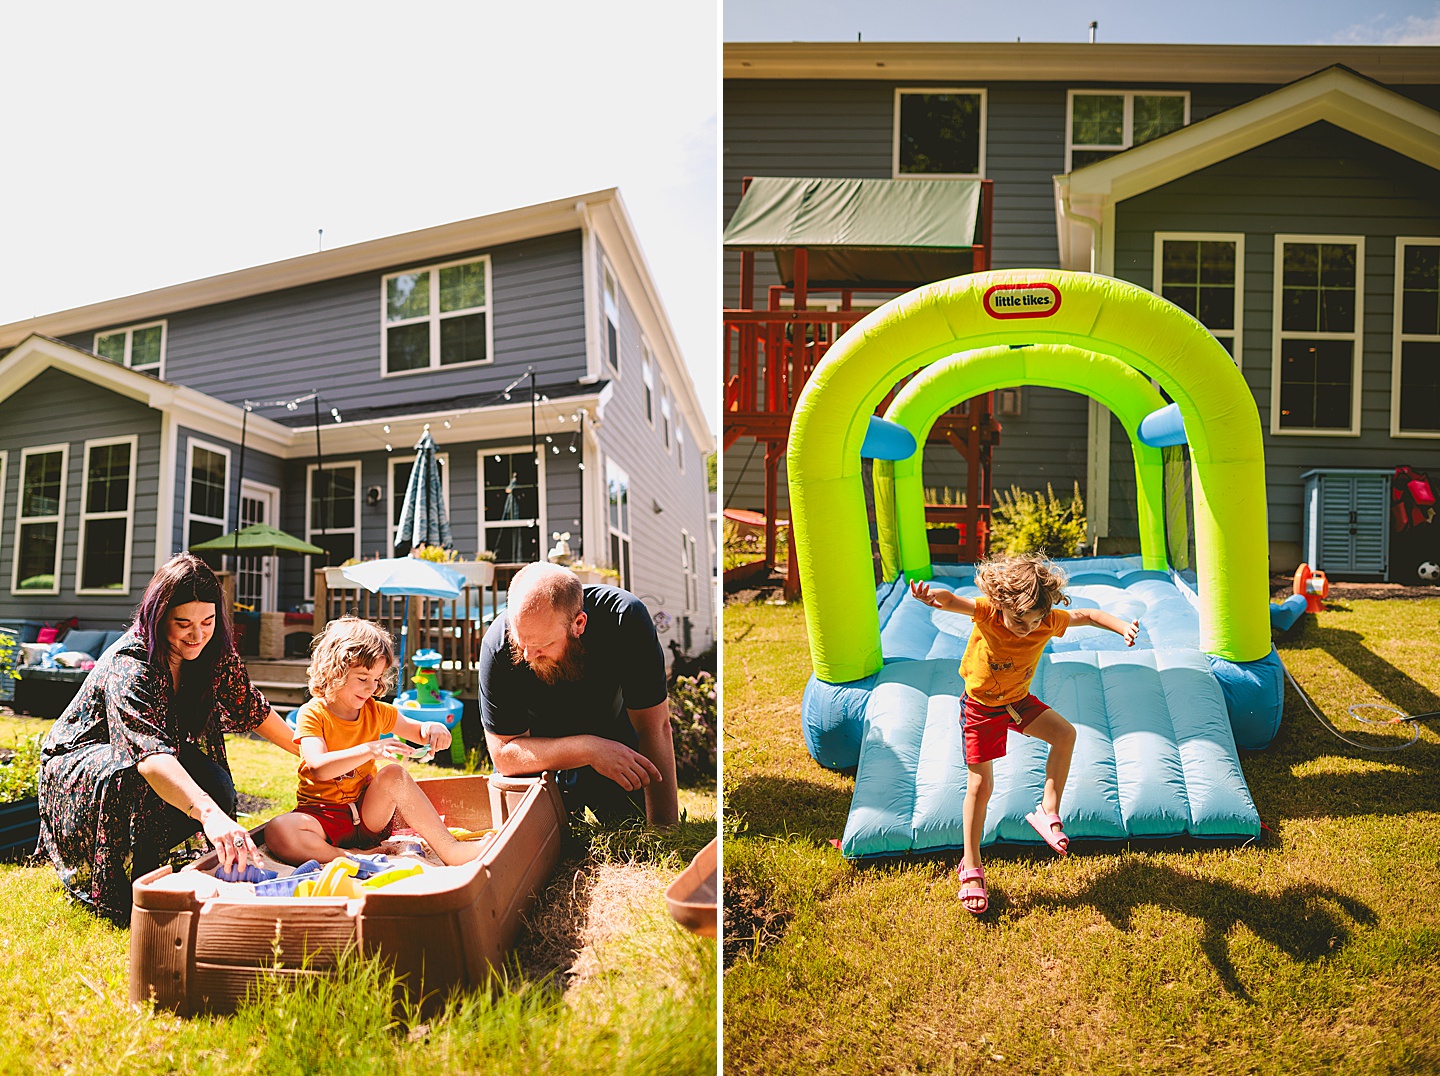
(1313, 585)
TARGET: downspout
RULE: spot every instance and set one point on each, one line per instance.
(1068, 216)
(588, 287)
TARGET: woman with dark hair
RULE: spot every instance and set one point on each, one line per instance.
(137, 763)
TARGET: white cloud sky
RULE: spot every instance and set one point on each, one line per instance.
(153, 143)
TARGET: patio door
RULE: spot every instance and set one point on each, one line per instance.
(256, 577)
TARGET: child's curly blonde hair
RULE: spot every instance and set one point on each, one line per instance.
(1022, 584)
(346, 644)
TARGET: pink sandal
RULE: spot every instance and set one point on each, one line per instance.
(976, 874)
(1043, 824)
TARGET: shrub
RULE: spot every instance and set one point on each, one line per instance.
(20, 773)
(1029, 523)
(692, 725)
(434, 553)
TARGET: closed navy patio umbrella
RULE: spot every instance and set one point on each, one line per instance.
(423, 519)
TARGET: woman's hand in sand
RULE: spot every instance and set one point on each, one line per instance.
(920, 591)
(232, 841)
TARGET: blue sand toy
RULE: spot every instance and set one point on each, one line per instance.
(428, 703)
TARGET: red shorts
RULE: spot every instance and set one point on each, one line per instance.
(986, 726)
(342, 825)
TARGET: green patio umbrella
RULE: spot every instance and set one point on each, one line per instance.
(256, 540)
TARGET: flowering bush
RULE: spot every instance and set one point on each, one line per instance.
(692, 724)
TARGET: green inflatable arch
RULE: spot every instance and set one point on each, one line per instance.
(1093, 314)
(1128, 394)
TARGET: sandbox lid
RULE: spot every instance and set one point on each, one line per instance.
(691, 897)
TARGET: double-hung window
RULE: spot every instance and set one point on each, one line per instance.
(140, 347)
(690, 571)
(680, 446)
(512, 503)
(939, 133)
(1319, 296)
(332, 520)
(1415, 367)
(1102, 123)
(207, 497)
(107, 516)
(437, 316)
(1203, 273)
(617, 483)
(40, 520)
(612, 320)
(647, 375)
(665, 417)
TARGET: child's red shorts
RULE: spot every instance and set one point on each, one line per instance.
(342, 825)
(986, 726)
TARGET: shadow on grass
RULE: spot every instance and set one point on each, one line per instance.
(776, 806)
(1299, 920)
(1349, 649)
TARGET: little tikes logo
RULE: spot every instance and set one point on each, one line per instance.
(1022, 300)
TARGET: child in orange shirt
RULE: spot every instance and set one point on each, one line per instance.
(1015, 616)
(345, 800)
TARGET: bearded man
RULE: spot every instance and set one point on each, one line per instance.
(572, 680)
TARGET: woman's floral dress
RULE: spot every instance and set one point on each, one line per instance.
(95, 807)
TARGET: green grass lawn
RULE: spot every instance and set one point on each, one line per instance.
(602, 980)
(1314, 951)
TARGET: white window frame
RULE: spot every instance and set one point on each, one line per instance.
(901, 91)
(395, 497)
(128, 514)
(610, 286)
(224, 522)
(1357, 364)
(310, 531)
(612, 531)
(666, 417)
(647, 378)
(689, 571)
(129, 331)
(1236, 335)
(435, 317)
(680, 443)
(542, 522)
(1127, 131)
(1398, 336)
(58, 519)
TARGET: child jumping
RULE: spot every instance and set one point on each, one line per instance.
(1015, 616)
(345, 800)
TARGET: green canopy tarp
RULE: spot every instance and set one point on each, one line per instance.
(882, 232)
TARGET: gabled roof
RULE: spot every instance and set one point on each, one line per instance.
(601, 212)
(1335, 95)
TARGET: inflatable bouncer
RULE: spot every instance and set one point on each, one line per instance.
(1159, 726)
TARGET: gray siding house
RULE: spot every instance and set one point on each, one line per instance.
(1288, 196)
(121, 422)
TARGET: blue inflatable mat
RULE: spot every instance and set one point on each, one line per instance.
(1155, 752)
(1154, 756)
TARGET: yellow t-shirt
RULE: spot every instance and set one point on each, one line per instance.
(998, 664)
(374, 720)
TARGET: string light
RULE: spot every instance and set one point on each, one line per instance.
(386, 429)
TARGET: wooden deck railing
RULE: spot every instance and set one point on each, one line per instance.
(454, 628)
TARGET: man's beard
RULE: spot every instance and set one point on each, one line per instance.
(571, 665)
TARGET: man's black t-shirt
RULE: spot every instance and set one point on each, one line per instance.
(624, 670)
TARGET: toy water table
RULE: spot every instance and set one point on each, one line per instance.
(427, 702)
